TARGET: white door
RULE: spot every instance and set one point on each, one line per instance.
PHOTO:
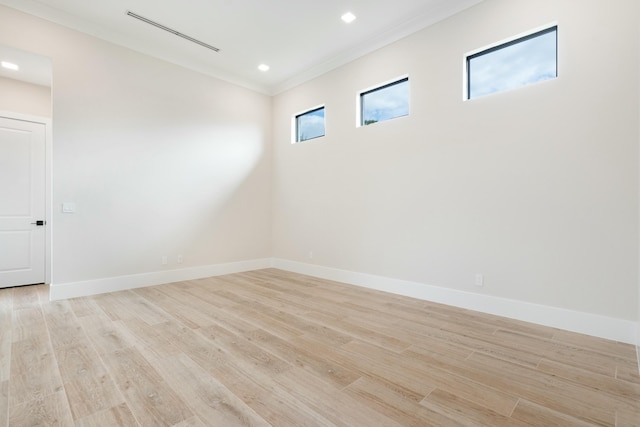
(22, 202)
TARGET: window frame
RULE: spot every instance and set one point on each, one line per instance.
(540, 31)
(295, 124)
(376, 88)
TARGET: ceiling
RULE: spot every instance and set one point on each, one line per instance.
(298, 39)
(34, 68)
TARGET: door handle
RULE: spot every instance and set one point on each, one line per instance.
(39, 223)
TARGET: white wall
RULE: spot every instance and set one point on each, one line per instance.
(535, 188)
(24, 98)
(158, 159)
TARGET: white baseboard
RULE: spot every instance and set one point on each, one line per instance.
(575, 321)
(586, 323)
(60, 291)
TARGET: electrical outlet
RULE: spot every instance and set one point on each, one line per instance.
(310, 255)
(479, 280)
(164, 260)
(180, 259)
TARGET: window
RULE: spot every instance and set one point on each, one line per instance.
(384, 102)
(309, 125)
(528, 59)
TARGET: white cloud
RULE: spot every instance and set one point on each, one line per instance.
(517, 65)
(311, 125)
(387, 103)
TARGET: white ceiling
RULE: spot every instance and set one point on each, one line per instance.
(34, 68)
(298, 39)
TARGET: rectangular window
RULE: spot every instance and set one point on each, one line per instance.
(529, 59)
(309, 125)
(384, 102)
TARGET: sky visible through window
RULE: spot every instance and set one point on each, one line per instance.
(310, 125)
(386, 103)
(529, 61)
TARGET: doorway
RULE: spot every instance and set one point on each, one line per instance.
(22, 202)
(25, 168)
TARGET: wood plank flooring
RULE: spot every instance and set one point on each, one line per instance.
(275, 348)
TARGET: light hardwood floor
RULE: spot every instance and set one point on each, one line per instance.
(276, 348)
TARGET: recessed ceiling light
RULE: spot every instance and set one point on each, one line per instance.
(263, 67)
(348, 17)
(9, 65)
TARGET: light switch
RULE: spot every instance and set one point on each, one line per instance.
(68, 207)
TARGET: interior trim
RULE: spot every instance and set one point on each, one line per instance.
(60, 291)
(575, 321)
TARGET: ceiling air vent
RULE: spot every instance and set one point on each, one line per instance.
(172, 31)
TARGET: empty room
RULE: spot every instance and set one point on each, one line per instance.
(291, 213)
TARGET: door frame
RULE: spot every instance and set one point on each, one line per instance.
(48, 187)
